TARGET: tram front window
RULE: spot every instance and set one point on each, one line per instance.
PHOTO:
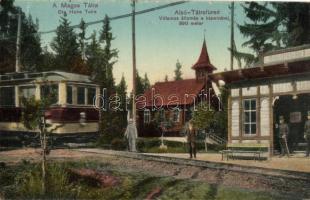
(7, 96)
(50, 92)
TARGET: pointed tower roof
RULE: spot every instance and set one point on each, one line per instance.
(204, 60)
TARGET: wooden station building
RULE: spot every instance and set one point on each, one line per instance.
(278, 85)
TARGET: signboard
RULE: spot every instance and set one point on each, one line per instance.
(295, 117)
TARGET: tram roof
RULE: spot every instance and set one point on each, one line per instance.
(47, 76)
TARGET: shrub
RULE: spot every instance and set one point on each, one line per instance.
(151, 145)
(118, 144)
(146, 143)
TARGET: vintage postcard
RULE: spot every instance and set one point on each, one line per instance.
(142, 99)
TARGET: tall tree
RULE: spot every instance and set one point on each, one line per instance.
(82, 38)
(31, 51)
(139, 84)
(65, 46)
(274, 26)
(146, 82)
(30, 41)
(177, 71)
(166, 78)
(94, 58)
(110, 55)
(102, 61)
(121, 90)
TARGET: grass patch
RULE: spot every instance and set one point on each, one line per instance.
(23, 181)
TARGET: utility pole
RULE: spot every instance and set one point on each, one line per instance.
(17, 66)
(133, 23)
(232, 48)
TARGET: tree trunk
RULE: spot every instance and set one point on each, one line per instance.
(43, 164)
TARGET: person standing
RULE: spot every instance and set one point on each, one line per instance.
(283, 133)
(131, 134)
(307, 134)
(191, 139)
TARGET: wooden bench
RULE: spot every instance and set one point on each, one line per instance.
(252, 150)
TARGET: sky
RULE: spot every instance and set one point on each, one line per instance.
(159, 43)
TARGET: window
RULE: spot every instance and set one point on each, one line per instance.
(69, 95)
(147, 116)
(162, 116)
(176, 115)
(249, 116)
(50, 92)
(27, 91)
(81, 95)
(90, 95)
(7, 96)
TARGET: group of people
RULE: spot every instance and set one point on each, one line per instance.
(191, 133)
(284, 132)
(131, 136)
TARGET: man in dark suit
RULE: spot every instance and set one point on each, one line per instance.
(191, 139)
(283, 134)
(307, 134)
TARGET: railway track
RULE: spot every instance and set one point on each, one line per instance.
(291, 183)
(206, 164)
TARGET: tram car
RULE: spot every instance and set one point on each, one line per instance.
(72, 110)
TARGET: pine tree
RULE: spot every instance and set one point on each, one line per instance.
(139, 84)
(166, 78)
(273, 26)
(102, 74)
(48, 60)
(110, 55)
(65, 46)
(82, 38)
(94, 57)
(177, 71)
(146, 82)
(121, 91)
(31, 52)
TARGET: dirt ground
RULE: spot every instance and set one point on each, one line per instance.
(294, 163)
(227, 178)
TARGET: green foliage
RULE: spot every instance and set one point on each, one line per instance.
(22, 182)
(139, 85)
(221, 117)
(166, 78)
(65, 46)
(146, 82)
(119, 144)
(142, 84)
(31, 113)
(206, 118)
(94, 55)
(31, 52)
(203, 116)
(151, 145)
(177, 71)
(81, 37)
(101, 61)
(32, 109)
(273, 25)
(121, 91)
(109, 57)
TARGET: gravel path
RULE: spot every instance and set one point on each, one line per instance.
(216, 176)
